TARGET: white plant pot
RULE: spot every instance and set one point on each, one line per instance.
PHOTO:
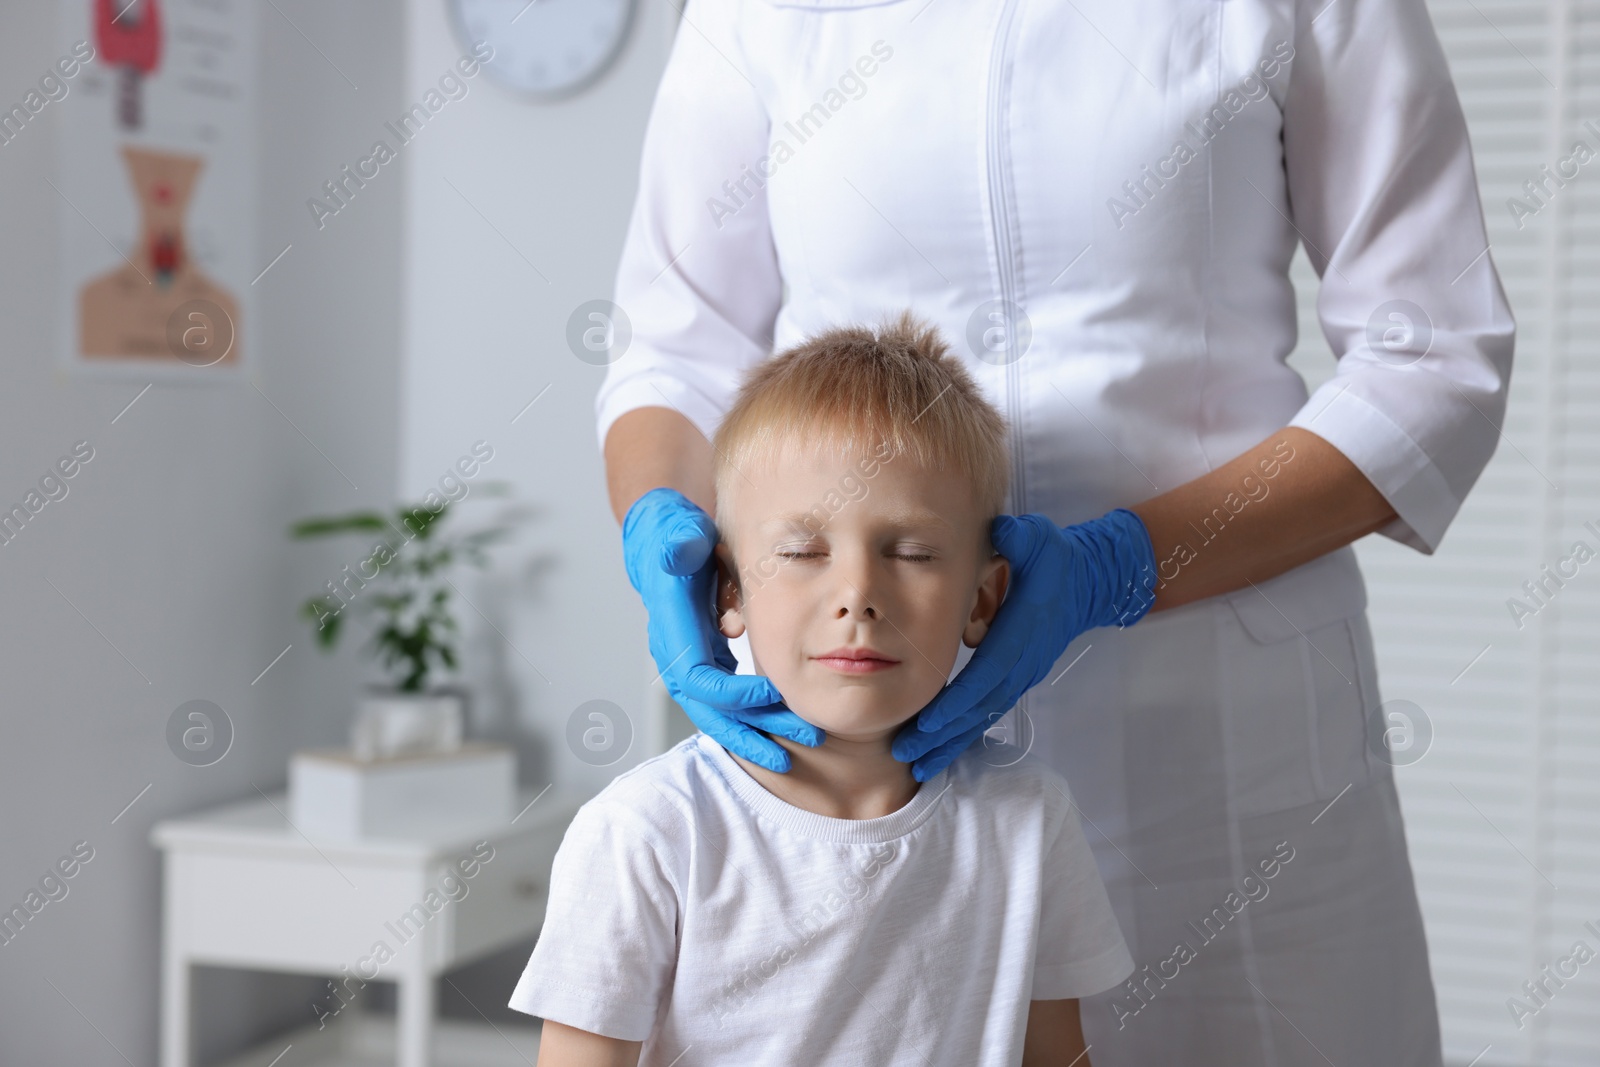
(389, 724)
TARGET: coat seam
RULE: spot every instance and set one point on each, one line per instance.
(1202, 392)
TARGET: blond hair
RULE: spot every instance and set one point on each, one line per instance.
(854, 391)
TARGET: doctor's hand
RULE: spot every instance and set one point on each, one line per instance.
(667, 543)
(1064, 580)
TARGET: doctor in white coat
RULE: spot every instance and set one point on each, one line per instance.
(1097, 203)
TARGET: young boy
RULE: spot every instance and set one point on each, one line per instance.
(705, 911)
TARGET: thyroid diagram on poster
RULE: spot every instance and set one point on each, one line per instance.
(156, 175)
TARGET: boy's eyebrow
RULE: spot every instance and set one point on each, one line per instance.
(797, 521)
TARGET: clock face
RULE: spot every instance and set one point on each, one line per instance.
(545, 48)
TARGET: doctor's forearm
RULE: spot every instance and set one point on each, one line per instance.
(1286, 501)
(651, 447)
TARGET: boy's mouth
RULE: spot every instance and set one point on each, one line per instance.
(856, 660)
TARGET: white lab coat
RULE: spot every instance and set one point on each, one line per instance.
(1134, 176)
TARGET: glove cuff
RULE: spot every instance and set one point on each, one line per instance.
(1130, 568)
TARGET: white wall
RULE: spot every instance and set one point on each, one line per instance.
(393, 337)
(172, 544)
(501, 191)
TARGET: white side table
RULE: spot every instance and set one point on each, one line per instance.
(243, 888)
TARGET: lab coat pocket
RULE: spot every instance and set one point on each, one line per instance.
(1294, 714)
(1327, 589)
(1343, 687)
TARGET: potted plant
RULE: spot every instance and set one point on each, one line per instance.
(403, 586)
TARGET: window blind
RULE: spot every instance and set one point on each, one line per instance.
(1501, 812)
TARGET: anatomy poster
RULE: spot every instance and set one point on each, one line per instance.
(156, 184)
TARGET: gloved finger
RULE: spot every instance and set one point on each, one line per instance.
(912, 742)
(692, 654)
(995, 658)
(1018, 537)
(743, 741)
(940, 758)
(720, 689)
(722, 656)
(688, 544)
(1014, 633)
(783, 722)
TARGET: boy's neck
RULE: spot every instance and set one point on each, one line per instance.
(842, 778)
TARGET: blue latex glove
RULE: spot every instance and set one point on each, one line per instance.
(1063, 581)
(667, 543)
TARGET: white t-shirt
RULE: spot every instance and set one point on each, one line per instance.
(693, 910)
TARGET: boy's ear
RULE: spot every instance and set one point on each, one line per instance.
(993, 579)
(730, 605)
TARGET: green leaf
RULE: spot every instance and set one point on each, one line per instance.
(421, 520)
(355, 522)
(408, 598)
(324, 612)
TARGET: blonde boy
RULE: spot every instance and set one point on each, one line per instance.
(705, 910)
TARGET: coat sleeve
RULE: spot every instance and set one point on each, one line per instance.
(1383, 191)
(698, 278)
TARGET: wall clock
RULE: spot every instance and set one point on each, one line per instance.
(545, 49)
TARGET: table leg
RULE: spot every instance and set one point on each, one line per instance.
(415, 1017)
(176, 1050)
(175, 1031)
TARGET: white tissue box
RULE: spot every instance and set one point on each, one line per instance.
(334, 795)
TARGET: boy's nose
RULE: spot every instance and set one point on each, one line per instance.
(855, 598)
